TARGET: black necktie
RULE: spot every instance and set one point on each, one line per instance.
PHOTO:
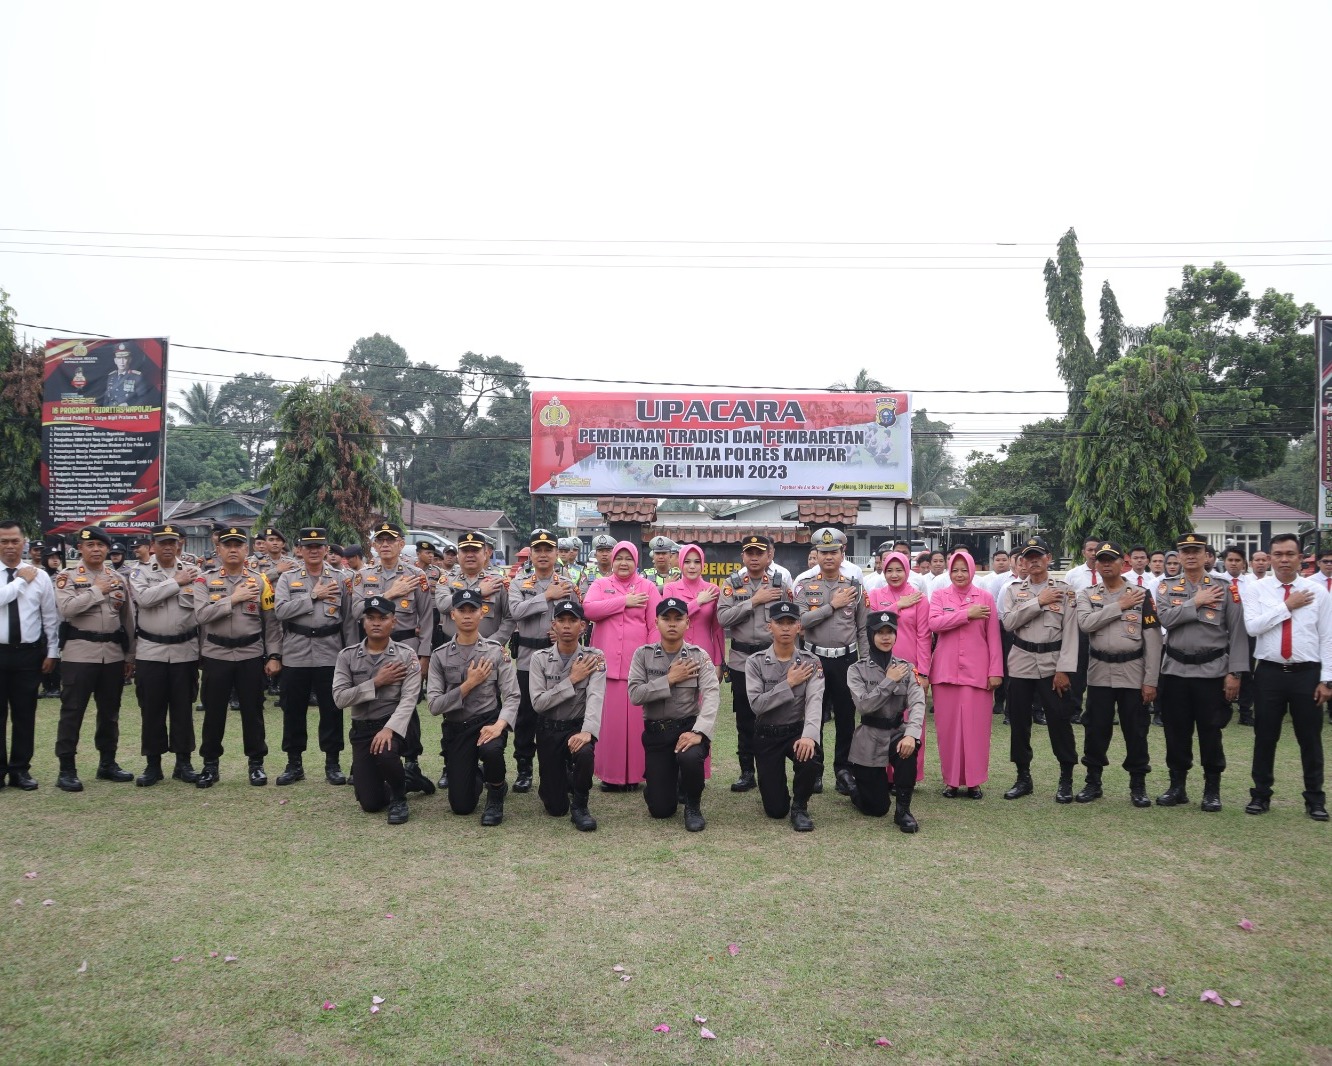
(15, 625)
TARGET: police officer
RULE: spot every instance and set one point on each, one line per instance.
(891, 705)
(474, 688)
(784, 685)
(568, 550)
(568, 688)
(1206, 650)
(1124, 649)
(271, 557)
(313, 603)
(241, 645)
(832, 615)
(663, 569)
(531, 604)
(603, 547)
(167, 663)
(676, 685)
(747, 599)
(448, 556)
(124, 387)
(408, 588)
(1041, 614)
(426, 560)
(377, 682)
(94, 603)
(117, 561)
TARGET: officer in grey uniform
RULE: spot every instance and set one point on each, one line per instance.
(474, 687)
(1041, 614)
(568, 565)
(377, 681)
(1124, 663)
(1206, 650)
(241, 646)
(568, 687)
(98, 655)
(603, 545)
(124, 387)
(167, 663)
(271, 557)
(747, 599)
(832, 614)
(663, 570)
(785, 688)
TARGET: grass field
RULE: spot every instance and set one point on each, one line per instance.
(992, 936)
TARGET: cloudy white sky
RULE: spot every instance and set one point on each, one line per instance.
(718, 193)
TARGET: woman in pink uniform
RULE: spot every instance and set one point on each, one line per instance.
(966, 667)
(704, 629)
(624, 608)
(913, 627)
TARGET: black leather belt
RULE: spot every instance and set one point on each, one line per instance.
(788, 730)
(312, 631)
(1195, 659)
(1037, 649)
(1289, 668)
(662, 725)
(97, 638)
(878, 721)
(546, 724)
(746, 648)
(1118, 657)
(233, 642)
(403, 634)
(157, 638)
(537, 643)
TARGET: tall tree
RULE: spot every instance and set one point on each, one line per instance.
(20, 424)
(248, 407)
(1064, 308)
(198, 406)
(325, 471)
(1112, 335)
(862, 382)
(1295, 481)
(203, 462)
(1024, 478)
(933, 469)
(398, 391)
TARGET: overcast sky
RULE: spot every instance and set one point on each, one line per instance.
(792, 153)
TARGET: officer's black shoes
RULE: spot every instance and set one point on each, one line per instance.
(1174, 796)
(1006, 721)
(1021, 787)
(397, 808)
(1138, 792)
(1257, 806)
(950, 792)
(109, 770)
(903, 817)
(1245, 718)
(974, 793)
(22, 779)
(694, 820)
(1090, 791)
(184, 770)
(1038, 718)
(333, 773)
(1211, 801)
(68, 781)
(257, 776)
(818, 786)
(1064, 793)
(745, 782)
(294, 772)
(846, 782)
(417, 781)
(208, 776)
(579, 814)
(1077, 718)
(443, 781)
(801, 822)
(522, 781)
(152, 773)
(494, 812)
(1316, 811)
(1156, 720)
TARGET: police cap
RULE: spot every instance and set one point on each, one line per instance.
(828, 539)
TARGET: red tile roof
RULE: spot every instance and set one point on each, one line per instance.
(727, 533)
(628, 508)
(828, 512)
(1236, 505)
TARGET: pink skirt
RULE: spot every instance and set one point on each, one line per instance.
(619, 758)
(963, 716)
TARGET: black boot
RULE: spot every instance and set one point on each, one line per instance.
(1211, 801)
(1257, 804)
(68, 781)
(1175, 795)
(209, 777)
(578, 813)
(494, 812)
(415, 780)
(152, 773)
(397, 808)
(333, 772)
(1092, 789)
(1138, 791)
(443, 782)
(694, 820)
(903, 816)
(294, 772)
(184, 770)
(1246, 718)
(523, 781)
(745, 782)
(801, 822)
(1021, 787)
(109, 770)
(257, 776)
(846, 782)
(1064, 793)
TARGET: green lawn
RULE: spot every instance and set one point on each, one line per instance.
(501, 942)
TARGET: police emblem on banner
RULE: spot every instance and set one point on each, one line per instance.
(885, 408)
(554, 413)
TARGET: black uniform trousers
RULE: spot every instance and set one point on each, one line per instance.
(20, 675)
(1278, 691)
(219, 679)
(839, 707)
(773, 745)
(1246, 696)
(298, 682)
(668, 774)
(744, 720)
(1001, 693)
(525, 728)
(166, 694)
(104, 683)
(562, 771)
(1102, 702)
(412, 748)
(1077, 682)
(874, 791)
(462, 754)
(375, 778)
(1189, 703)
(1024, 693)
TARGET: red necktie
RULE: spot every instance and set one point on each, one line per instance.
(1329, 584)
(1093, 579)
(1139, 581)
(1287, 633)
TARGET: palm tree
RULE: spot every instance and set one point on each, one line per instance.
(863, 383)
(199, 407)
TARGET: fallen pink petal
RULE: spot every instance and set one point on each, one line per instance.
(388, 915)
(661, 1028)
(700, 1020)
(1235, 1002)
(1209, 996)
(734, 949)
(18, 902)
(1160, 991)
(231, 958)
(212, 954)
(883, 1041)
(374, 1009)
(1060, 977)
(376, 1000)
(625, 977)
(1245, 924)
(707, 1034)
(177, 958)
(83, 968)
(282, 803)
(330, 1005)
(1119, 982)
(48, 903)
(31, 875)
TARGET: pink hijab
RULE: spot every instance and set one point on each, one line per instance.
(913, 626)
(968, 593)
(704, 629)
(635, 580)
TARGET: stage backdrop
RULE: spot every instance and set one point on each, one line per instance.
(102, 433)
(713, 444)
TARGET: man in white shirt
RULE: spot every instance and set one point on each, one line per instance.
(1324, 575)
(1260, 565)
(1138, 575)
(1084, 574)
(1291, 620)
(29, 647)
(1002, 570)
(1234, 562)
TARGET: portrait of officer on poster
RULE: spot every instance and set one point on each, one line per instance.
(131, 381)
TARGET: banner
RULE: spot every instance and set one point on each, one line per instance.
(102, 433)
(1323, 405)
(713, 444)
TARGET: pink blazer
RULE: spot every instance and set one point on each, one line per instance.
(913, 625)
(968, 652)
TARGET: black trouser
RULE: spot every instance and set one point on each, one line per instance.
(298, 682)
(461, 755)
(744, 720)
(839, 707)
(1279, 691)
(1077, 683)
(1246, 696)
(773, 745)
(524, 730)
(221, 678)
(104, 683)
(874, 791)
(20, 674)
(166, 693)
(1001, 693)
(412, 748)
(562, 771)
(375, 778)
(669, 774)
(1102, 702)
(1193, 702)
(1023, 694)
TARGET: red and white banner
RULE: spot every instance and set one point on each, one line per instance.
(713, 444)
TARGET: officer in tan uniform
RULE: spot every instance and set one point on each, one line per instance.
(747, 599)
(474, 687)
(271, 557)
(663, 569)
(241, 645)
(832, 615)
(1124, 662)
(313, 603)
(568, 686)
(785, 687)
(167, 662)
(603, 546)
(377, 681)
(428, 562)
(1041, 613)
(98, 655)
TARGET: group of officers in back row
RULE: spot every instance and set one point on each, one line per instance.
(801, 653)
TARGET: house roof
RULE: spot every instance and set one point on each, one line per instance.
(693, 531)
(420, 515)
(1236, 505)
(240, 506)
(628, 508)
(828, 512)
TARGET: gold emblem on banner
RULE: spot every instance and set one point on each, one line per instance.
(885, 410)
(80, 349)
(554, 413)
